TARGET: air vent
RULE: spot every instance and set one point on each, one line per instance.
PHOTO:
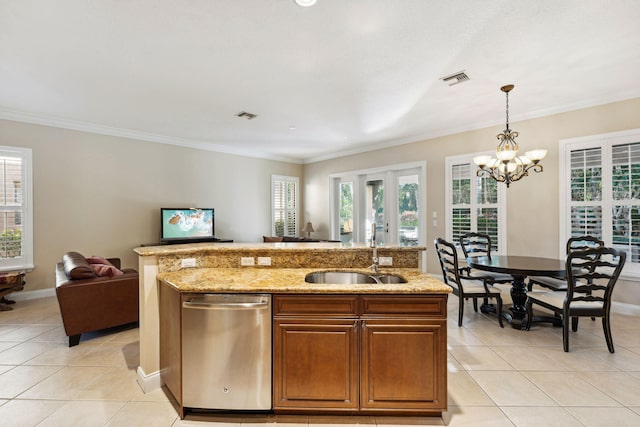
(456, 78)
(245, 115)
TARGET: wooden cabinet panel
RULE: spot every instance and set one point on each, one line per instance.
(432, 306)
(314, 305)
(315, 363)
(403, 364)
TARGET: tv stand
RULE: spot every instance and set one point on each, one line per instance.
(182, 242)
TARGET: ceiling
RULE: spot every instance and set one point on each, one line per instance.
(340, 77)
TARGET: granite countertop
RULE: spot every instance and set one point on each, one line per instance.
(251, 247)
(291, 280)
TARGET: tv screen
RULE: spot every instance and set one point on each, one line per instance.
(187, 225)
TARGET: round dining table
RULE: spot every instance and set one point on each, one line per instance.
(518, 267)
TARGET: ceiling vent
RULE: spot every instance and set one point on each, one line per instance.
(246, 115)
(456, 78)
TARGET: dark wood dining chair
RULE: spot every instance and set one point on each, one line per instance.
(464, 287)
(478, 244)
(579, 243)
(591, 277)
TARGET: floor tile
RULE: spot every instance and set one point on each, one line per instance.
(475, 416)
(605, 417)
(82, 414)
(479, 358)
(19, 379)
(569, 389)
(27, 413)
(144, 414)
(496, 377)
(511, 389)
(536, 416)
(23, 352)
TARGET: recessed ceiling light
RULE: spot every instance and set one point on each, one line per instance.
(305, 3)
(292, 128)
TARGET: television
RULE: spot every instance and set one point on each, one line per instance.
(186, 225)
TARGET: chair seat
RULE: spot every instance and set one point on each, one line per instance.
(476, 287)
(556, 299)
(549, 282)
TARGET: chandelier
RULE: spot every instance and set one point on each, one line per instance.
(508, 166)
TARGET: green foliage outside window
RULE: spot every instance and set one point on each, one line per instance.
(11, 243)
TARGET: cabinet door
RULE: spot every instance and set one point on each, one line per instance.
(403, 364)
(315, 363)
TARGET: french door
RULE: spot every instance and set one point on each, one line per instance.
(392, 199)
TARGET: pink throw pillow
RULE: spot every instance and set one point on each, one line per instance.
(97, 260)
(106, 270)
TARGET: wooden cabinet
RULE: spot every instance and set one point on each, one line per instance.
(372, 354)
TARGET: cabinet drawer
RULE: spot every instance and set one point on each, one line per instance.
(313, 305)
(435, 306)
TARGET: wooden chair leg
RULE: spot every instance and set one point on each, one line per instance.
(529, 307)
(461, 310)
(499, 310)
(574, 323)
(606, 326)
(475, 304)
(565, 332)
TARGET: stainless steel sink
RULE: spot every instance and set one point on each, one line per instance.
(350, 277)
(390, 278)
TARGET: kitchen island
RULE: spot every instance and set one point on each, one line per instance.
(348, 348)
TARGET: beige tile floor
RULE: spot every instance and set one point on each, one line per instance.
(497, 377)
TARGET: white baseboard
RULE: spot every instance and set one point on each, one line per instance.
(148, 382)
(25, 295)
(623, 308)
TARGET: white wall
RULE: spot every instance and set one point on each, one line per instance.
(101, 195)
(532, 204)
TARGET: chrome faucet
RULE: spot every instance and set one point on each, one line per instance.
(374, 246)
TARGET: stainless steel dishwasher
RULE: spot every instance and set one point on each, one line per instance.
(226, 349)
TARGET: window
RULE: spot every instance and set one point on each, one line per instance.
(474, 203)
(601, 192)
(16, 241)
(285, 201)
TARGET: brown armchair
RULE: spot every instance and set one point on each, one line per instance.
(89, 302)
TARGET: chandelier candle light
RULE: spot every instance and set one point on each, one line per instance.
(507, 166)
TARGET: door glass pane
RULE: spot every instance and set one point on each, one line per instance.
(346, 212)
(586, 220)
(408, 231)
(375, 209)
(488, 224)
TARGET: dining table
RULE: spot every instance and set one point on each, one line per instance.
(518, 267)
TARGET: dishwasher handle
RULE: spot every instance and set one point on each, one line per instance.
(202, 305)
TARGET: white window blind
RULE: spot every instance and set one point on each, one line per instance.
(602, 196)
(474, 203)
(284, 214)
(16, 241)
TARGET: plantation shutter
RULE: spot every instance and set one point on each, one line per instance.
(625, 186)
(285, 206)
(475, 203)
(586, 192)
(460, 201)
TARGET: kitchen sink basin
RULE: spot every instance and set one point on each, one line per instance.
(351, 277)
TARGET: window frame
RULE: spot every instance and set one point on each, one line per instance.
(461, 159)
(24, 262)
(605, 142)
(275, 179)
